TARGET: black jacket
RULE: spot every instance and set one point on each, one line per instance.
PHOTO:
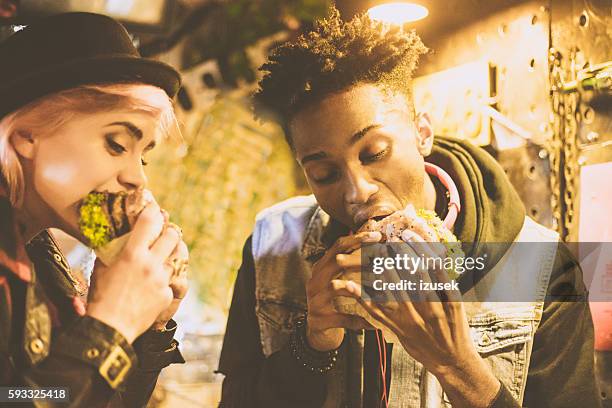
(46, 341)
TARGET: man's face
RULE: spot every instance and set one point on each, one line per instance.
(362, 153)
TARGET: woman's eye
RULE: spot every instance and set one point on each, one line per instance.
(144, 163)
(375, 157)
(114, 146)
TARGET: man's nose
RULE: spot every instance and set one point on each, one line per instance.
(358, 187)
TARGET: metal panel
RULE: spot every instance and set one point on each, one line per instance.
(581, 32)
(438, 93)
(513, 42)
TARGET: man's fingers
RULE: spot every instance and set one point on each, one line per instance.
(441, 276)
(420, 226)
(327, 267)
(321, 275)
(341, 287)
(353, 242)
(349, 261)
(378, 314)
(340, 320)
(337, 287)
(356, 323)
(147, 228)
(409, 235)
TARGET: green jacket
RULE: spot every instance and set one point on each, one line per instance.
(47, 341)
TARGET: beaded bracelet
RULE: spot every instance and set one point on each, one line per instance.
(313, 360)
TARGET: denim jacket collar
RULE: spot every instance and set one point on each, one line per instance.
(321, 232)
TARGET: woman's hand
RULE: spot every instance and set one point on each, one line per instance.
(131, 294)
(178, 284)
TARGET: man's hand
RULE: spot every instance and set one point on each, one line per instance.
(435, 332)
(325, 326)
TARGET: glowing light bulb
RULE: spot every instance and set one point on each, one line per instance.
(398, 13)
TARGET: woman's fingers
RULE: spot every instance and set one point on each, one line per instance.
(148, 226)
(181, 252)
(166, 243)
(179, 281)
(180, 284)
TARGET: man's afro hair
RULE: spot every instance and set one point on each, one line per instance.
(332, 57)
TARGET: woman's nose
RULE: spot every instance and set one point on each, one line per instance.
(133, 176)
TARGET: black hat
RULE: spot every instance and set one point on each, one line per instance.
(72, 49)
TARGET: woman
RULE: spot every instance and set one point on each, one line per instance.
(79, 109)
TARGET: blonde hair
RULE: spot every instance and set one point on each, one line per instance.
(47, 114)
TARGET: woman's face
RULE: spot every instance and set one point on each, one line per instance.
(91, 152)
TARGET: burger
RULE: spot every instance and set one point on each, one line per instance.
(106, 219)
(393, 225)
(393, 229)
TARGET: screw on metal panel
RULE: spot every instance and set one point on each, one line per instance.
(532, 111)
(592, 136)
(532, 171)
(588, 115)
(531, 65)
(583, 20)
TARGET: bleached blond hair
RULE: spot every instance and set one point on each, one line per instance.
(46, 114)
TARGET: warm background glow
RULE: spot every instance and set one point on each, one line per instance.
(398, 13)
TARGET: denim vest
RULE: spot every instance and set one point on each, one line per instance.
(290, 232)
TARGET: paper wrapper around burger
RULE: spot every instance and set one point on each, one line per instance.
(108, 253)
(106, 219)
(391, 228)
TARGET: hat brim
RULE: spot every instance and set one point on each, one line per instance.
(94, 70)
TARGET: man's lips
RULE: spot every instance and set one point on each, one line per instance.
(363, 215)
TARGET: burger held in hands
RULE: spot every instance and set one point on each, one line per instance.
(106, 219)
(424, 238)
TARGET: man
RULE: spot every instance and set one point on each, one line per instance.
(342, 94)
